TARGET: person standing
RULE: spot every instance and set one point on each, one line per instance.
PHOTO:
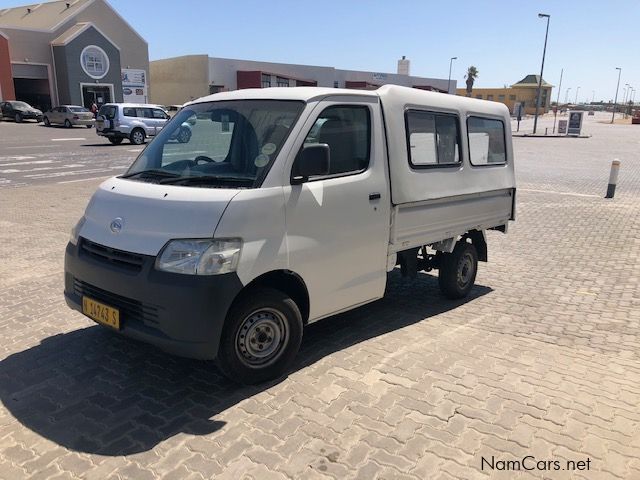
(94, 109)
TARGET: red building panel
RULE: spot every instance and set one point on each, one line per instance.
(6, 79)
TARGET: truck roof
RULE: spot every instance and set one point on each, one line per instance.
(388, 93)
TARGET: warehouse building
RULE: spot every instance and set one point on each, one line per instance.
(180, 79)
(71, 52)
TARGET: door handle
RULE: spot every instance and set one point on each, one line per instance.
(374, 196)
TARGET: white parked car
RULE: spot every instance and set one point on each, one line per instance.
(289, 205)
(69, 115)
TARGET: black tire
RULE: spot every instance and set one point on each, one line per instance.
(458, 270)
(184, 135)
(261, 337)
(18, 118)
(115, 140)
(46, 122)
(137, 136)
(89, 126)
(67, 123)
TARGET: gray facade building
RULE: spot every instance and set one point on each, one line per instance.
(71, 52)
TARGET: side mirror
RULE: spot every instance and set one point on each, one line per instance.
(311, 161)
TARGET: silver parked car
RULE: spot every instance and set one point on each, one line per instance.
(69, 115)
(136, 122)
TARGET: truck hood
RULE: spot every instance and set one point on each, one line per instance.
(141, 217)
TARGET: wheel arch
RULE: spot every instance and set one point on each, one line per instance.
(479, 240)
(285, 281)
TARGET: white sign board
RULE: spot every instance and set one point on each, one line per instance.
(562, 127)
(134, 85)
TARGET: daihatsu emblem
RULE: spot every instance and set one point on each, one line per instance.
(116, 225)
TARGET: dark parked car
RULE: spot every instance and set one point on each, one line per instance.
(20, 111)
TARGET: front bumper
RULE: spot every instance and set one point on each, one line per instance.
(181, 314)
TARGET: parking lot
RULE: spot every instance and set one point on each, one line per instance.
(31, 154)
(542, 360)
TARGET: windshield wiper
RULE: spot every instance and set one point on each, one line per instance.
(154, 172)
(212, 179)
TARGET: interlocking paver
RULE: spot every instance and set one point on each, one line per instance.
(542, 359)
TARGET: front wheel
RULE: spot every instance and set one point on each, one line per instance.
(46, 121)
(89, 126)
(18, 118)
(261, 337)
(458, 270)
(67, 123)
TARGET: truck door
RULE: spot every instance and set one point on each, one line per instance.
(338, 224)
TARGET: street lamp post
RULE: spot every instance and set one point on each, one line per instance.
(615, 101)
(593, 95)
(555, 113)
(544, 52)
(627, 89)
(449, 81)
(566, 96)
(577, 90)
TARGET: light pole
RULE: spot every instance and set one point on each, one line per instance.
(544, 52)
(449, 81)
(593, 95)
(566, 96)
(615, 101)
(555, 113)
(627, 89)
(577, 90)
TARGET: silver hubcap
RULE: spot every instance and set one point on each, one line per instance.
(261, 338)
(465, 270)
(137, 137)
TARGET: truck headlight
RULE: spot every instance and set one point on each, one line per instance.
(75, 231)
(200, 256)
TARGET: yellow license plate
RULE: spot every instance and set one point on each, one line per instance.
(101, 313)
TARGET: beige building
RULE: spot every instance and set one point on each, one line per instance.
(180, 79)
(71, 52)
(523, 92)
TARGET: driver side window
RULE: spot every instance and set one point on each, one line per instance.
(347, 131)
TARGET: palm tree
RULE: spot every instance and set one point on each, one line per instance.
(472, 74)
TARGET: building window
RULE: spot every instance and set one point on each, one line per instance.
(336, 84)
(432, 139)
(94, 62)
(512, 97)
(479, 96)
(282, 82)
(486, 141)
(490, 97)
(265, 80)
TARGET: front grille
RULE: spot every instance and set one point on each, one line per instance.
(110, 255)
(130, 310)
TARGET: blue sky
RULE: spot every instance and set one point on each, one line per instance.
(503, 39)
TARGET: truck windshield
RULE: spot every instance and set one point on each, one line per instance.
(225, 144)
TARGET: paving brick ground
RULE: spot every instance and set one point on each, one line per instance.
(541, 360)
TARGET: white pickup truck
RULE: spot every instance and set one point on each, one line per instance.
(286, 206)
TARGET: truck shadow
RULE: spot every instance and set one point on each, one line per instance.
(92, 391)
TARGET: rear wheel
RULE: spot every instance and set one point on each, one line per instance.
(458, 270)
(46, 121)
(261, 337)
(115, 140)
(67, 123)
(137, 136)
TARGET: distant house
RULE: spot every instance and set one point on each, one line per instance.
(71, 52)
(523, 92)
